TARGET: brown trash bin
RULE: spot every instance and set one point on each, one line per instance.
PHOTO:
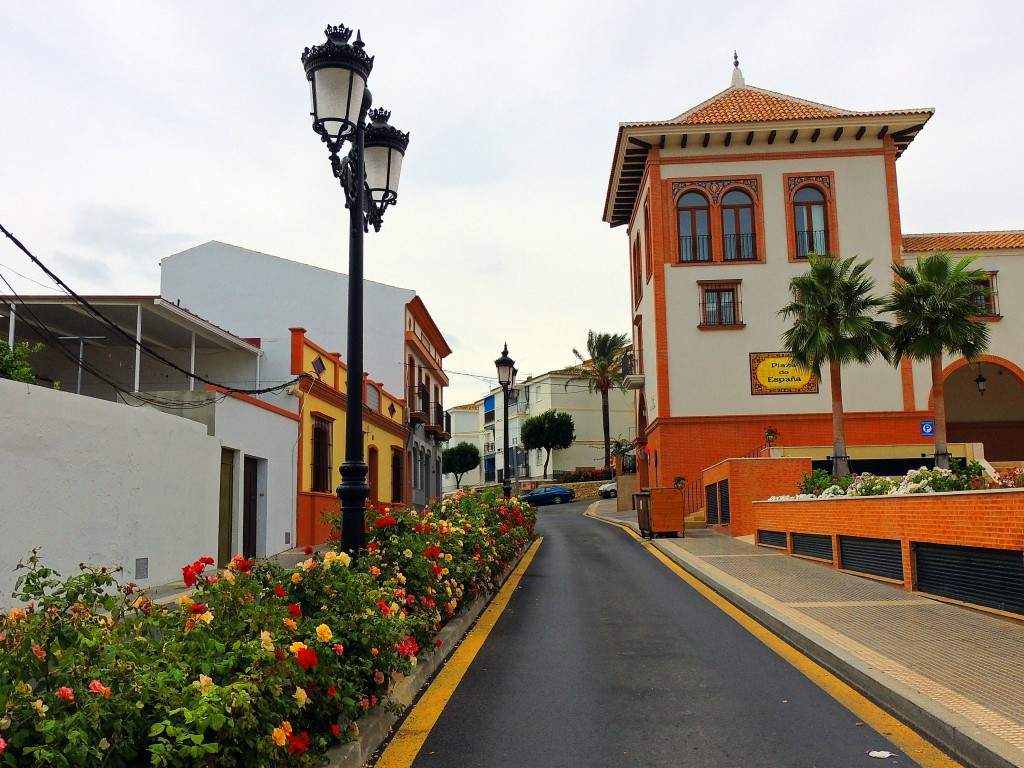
(665, 515)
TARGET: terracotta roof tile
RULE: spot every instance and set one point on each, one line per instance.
(746, 104)
(964, 241)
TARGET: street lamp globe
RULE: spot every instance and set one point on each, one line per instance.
(385, 149)
(337, 73)
(506, 368)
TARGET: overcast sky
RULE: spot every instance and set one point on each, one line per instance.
(130, 131)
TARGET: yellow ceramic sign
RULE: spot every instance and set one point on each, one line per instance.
(773, 373)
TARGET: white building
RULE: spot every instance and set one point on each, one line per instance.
(721, 206)
(231, 458)
(482, 423)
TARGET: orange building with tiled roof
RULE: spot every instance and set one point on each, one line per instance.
(721, 206)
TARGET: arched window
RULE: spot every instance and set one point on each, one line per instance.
(810, 222)
(738, 243)
(694, 228)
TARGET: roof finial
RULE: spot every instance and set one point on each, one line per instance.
(737, 75)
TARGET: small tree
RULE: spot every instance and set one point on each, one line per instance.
(833, 312)
(937, 302)
(551, 430)
(14, 361)
(602, 371)
(460, 459)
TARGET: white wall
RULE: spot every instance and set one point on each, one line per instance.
(709, 370)
(254, 294)
(263, 434)
(103, 483)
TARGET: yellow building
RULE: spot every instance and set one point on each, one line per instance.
(322, 403)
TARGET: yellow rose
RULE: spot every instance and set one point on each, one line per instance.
(39, 707)
(301, 697)
(266, 641)
(296, 647)
(290, 623)
(296, 577)
(279, 736)
(184, 600)
(344, 559)
(323, 633)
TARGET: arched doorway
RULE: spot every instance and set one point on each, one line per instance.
(996, 418)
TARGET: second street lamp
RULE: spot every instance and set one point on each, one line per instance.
(337, 72)
(506, 378)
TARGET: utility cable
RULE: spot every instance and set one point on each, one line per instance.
(127, 336)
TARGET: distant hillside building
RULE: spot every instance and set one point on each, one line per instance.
(482, 423)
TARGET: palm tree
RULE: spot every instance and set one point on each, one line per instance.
(936, 303)
(833, 310)
(602, 370)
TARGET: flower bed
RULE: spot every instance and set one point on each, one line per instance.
(820, 484)
(260, 665)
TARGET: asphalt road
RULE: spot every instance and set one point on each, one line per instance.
(604, 657)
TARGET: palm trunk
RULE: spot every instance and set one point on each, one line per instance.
(840, 461)
(939, 400)
(607, 429)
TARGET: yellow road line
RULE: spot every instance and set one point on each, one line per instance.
(902, 736)
(408, 741)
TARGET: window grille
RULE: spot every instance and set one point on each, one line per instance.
(321, 467)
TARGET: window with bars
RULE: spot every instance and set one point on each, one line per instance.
(720, 304)
(320, 478)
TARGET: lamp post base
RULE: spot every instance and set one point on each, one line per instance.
(353, 493)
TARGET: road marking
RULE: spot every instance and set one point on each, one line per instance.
(913, 745)
(407, 742)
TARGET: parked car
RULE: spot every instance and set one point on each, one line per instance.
(608, 490)
(548, 494)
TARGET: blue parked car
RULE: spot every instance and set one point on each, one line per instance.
(548, 494)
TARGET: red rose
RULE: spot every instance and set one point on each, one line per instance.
(309, 550)
(197, 609)
(279, 591)
(307, 658)
(298, 744)
(336, 730)
(294, 610)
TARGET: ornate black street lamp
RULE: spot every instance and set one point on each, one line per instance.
(337, 72)
(507, 379)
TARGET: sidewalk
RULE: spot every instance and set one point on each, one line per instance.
(953, 673)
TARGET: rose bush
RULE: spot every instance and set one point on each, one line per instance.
(259, 665)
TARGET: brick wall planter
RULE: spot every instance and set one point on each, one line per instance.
(987, 520)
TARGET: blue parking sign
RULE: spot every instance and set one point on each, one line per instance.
(927, 428)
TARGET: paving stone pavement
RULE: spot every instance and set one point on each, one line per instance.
(952, 672)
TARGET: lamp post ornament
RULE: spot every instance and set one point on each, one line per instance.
(337, 72)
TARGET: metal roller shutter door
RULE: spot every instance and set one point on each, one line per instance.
(875, 557)
(813, 545)
(989, 577)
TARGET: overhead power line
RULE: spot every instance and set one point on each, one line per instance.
(129, 337)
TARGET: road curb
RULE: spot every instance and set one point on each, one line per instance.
(949, 730)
